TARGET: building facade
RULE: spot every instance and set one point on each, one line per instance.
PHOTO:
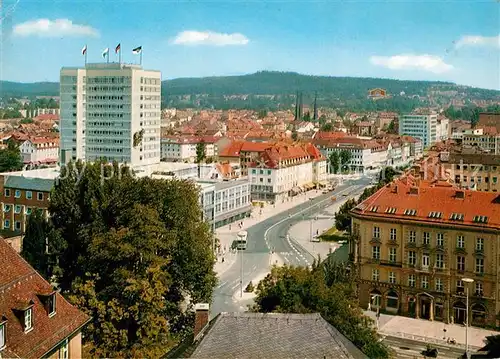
(419, 126)
(21, 193)
(110, 111)
(183, 148)
(414, 243)
(35, 320)
(40, 150)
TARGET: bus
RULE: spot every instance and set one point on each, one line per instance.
(241, 242)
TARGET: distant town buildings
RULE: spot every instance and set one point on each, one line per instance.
(110, 111)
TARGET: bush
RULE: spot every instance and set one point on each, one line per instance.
(250, 288)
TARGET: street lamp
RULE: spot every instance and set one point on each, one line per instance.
(467, 281)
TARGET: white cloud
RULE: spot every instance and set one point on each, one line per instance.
(209, 38)
(424, 62)
(474, 40)
(53, 28)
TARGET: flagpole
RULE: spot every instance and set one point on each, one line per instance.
(120, 53)
(107, 56)
(86, 56)
(140, 58)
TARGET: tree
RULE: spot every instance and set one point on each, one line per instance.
(135, 250)
(334, 160)
(345, 158)
(26, 121)
(306, 117)
(327, 127)
(328, 289)
(35, 249)
(262, 114)
(386, 175)
(295, 135)
(343, 217)
(10, 158)
(200, 155)
(392, 127)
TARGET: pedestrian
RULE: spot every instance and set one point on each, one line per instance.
(222, 259)
(229, 226)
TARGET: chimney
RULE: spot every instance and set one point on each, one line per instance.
(414, 190)
(201, 311)
(460, 194)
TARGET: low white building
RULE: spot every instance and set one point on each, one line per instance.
(183, 148)
(443, 130)
(284, 170)
(40, 150)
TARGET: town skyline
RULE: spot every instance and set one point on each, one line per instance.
(205, 40)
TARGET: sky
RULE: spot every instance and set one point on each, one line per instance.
(448, 40)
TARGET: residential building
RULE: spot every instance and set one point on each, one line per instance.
(286, 336)
(242, 153)
(476, 171)
(415, 241)
(40, 150)
(36, 321)
(443, 129)
(183, 148)
(487, 139)
(364, 154)
(110, 111)
(422, 126)
(283, 170)
(23, 192)
(47, 111)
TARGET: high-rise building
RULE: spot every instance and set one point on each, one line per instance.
(420, 126)
(110, 111)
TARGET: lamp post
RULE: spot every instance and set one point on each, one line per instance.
(467, 281)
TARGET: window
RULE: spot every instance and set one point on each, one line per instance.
(440, 239)
(412, 237)
(6, 224)
(17, 225)
(375, 252)
(375, 275)
(39, 196)
(461, 263)
(7, 192)
(28, 319)
(376, 232)
(392, 277)
(28, 210)
(17, 208)
(460, 286)
(439, 284)
(427, 238)
(392, 255)
(412, 258)
(425, 260)
(479, 289)
(6, 207)
(17, 193)
(460, 241)
(439, 260)
(29, 194)
(479, 244)
(63, 351)
(479, 265)
(425, 282)
(411, 280)
(51, 304)
(2, 335)
(393, 234)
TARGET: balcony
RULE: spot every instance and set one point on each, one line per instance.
(460, 250)
(375, 240)
(390, 263)
(479, 252)
(411, 244)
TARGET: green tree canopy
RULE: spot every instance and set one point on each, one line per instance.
(334, 160)
(343, 218)
(327, 127)
(34, 243)
(10, 158)
(134, 251)
(328, 289)
(345, 157)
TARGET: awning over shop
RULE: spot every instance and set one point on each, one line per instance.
(323, 183)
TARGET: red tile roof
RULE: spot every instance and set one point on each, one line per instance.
(273, 156)
(47, 116)
(20, 283)
(432, 197)
(235, 148)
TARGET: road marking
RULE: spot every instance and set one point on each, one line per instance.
(222, 284)
(308, 208)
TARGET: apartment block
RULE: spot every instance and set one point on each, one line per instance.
(183, 148)
(416, 241)
(110, 111)
(420, 126)
(35, 320)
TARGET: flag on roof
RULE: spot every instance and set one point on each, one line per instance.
(105, 52)
(117, 48)
(137, 50)
(84, 50)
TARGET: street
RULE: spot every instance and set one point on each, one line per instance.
(406, 348)
(270, 235)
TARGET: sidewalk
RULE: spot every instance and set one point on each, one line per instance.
(432, 332)
(227, 234)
